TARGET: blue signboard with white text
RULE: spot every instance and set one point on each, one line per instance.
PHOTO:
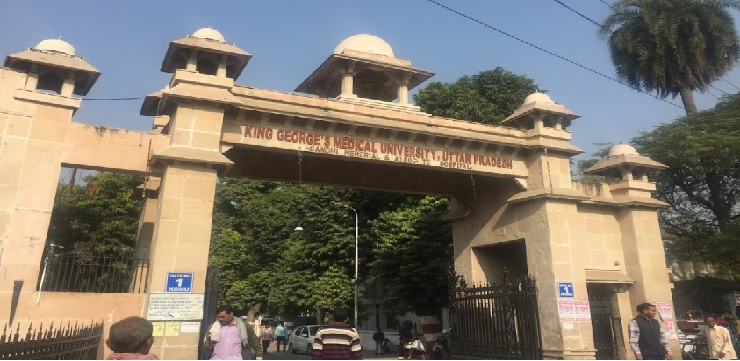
(565, 289)
(179, 282)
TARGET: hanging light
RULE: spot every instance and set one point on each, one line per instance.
(298, 229)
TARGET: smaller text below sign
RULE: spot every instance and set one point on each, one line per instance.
(175, 307)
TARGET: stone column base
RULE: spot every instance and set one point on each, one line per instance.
(568, 354)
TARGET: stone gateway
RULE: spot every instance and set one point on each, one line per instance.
(350, 124)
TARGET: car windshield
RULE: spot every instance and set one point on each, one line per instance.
(313, 329)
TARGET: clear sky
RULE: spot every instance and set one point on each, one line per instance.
(126, 41)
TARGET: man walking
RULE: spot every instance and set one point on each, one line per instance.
(718, 341)
(230, 338)
(378, 337)
(647, 340)
(280, 334)
(337, 340)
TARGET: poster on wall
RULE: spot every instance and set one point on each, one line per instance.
(665, 311)
(566, 310)
(175, 307)
(582, 311)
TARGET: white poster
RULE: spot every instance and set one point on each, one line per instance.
(666, 314)
(190, 327)
(582, 310)
(175, 307)
(566, 310)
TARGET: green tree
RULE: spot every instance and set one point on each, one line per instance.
(584, 164)
(95, 220)
(487, 97)
(332, 289)
(413, 255)
(99, 218)
(672, 47)
(263, 260)
(702, 183)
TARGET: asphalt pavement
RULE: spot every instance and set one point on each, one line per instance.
(272, 354)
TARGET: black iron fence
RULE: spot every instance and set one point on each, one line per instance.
(607, 328)
(74, 273)
(72, 342)
(496, 321)
(210, 303)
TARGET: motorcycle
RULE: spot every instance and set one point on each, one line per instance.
(441, 349)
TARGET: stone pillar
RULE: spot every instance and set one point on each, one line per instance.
(192, 64)
(221, 72)
(182, 231)
(403, 94)
(549, 170)
(347, 84)
(33, 127)
(553, 244)
(644, 258)
(147, 218)
(403, 89)
(626, 312)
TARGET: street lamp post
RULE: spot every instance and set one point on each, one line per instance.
(357, 232)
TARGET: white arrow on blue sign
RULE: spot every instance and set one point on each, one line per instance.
(179, 282)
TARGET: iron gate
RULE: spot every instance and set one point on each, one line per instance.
(606, 328)
(496, 321)
(210, 303)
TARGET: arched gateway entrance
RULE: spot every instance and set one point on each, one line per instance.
(511, 186)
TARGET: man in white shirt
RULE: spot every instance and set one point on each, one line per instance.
(718, 341)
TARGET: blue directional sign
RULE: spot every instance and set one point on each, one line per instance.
(179, 283)
(565, 289)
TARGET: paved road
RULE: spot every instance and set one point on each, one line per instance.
(272, 355)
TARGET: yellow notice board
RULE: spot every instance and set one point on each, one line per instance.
(158, 329)
(172, 329)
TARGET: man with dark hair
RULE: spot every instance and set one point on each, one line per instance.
(131, 339)
(647, 340)
(337, 340)
(230, 338)
(379, 338)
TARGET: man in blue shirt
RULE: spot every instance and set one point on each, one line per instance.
(280, 334)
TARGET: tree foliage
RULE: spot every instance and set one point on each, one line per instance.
(487, 97)
(702, 183)
(98, 218)
(263, 260)
(672, 47)
(413, 255)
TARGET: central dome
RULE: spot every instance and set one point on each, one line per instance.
(57, 45)
(365, 43)
(210, 34)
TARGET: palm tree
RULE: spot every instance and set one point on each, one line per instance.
(672, 46)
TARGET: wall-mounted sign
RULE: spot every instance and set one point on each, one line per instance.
(178, 282)
(378, 150)
(175, 307)
(565, 289)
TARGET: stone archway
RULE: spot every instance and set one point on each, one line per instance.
(508, 183)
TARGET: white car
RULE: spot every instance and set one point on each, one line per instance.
(301, 340)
